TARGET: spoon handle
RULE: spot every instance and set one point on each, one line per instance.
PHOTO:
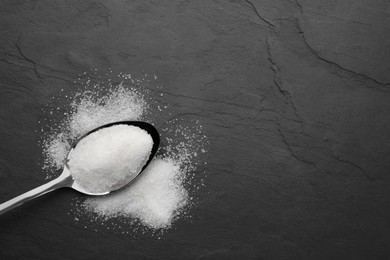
(64, 180)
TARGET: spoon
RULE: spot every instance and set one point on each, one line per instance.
(66, 179)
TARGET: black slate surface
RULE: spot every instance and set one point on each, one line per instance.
(294, 97)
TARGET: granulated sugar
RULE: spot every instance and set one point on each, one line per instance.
(154, 198)
(109, 158)
(88, 110)
(164, 191)
(118, 104)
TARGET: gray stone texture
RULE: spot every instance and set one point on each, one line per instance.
(294, 96)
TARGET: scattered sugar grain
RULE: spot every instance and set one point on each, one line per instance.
(87, 113)
(91, 112)
(101, 103)
(154, 199)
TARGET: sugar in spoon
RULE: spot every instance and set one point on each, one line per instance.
(66, 179)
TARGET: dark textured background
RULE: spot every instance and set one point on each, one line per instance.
(294, 96)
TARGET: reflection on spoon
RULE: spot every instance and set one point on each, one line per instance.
(90, 171)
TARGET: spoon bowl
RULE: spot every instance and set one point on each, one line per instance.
(66, 179)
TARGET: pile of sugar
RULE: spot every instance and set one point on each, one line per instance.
(109, 158)
(154, 198)
(165, 190)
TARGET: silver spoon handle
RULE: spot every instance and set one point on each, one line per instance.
(64, 180)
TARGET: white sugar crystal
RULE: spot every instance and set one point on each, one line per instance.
(160, 194)
(110, 158)
(154, 198)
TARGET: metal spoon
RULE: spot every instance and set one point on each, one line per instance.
(66, 179)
